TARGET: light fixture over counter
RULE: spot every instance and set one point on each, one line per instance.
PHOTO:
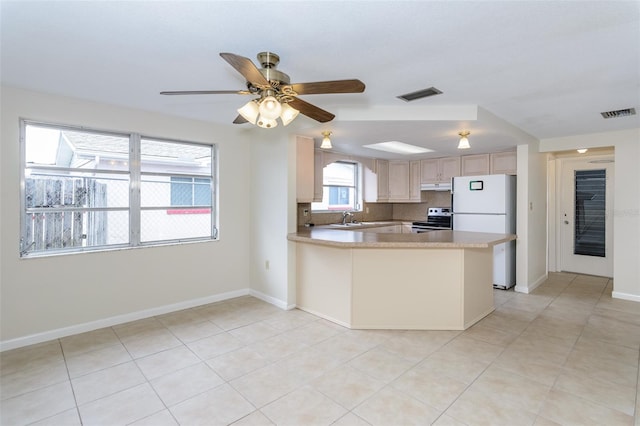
(326, 142)
(464, 141)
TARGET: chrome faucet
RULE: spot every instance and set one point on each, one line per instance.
(344, 217)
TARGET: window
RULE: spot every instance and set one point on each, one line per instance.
(590, 212)
(87, 190)
(190, 191)
(341, 188)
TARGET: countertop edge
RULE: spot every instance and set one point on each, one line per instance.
(325, 240)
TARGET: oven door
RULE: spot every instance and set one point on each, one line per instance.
(418, 228)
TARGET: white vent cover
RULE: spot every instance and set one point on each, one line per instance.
(619, 113)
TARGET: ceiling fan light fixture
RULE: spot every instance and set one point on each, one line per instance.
(464, 140)
(266, 123)
(270, 108)
(288, 114)
(326, 142)
(250, 112)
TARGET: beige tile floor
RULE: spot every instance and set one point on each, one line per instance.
(567, 354)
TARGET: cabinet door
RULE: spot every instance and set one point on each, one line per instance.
(382, 171)
(318, 167)
(414, 181)
(398, 181)
(429, 171)
(504, 163)
(449, 168)
(304, 170)
(473, 165)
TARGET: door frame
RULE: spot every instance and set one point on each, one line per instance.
(555, 173)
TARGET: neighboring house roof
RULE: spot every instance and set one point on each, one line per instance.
(118, 146)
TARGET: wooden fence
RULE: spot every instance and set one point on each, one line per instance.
(56, 213)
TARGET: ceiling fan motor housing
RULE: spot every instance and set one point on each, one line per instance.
(269, 61)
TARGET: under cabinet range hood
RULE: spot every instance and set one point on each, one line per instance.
(446, 186)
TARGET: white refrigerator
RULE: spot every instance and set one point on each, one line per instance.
(488, 204)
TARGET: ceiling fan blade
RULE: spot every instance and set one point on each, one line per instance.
(245, 67)
(240, 120)
(311, 111)
(207, 92)
(336, 86)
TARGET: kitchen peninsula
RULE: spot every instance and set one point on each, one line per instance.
(440, 280)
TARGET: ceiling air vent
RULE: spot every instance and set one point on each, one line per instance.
(619, 113)
(431, 91)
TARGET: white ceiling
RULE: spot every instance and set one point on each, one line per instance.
(508, 70)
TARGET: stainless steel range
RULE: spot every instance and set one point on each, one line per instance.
(438, 218)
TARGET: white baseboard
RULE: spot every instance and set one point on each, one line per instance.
(270, 299)
(118, 319)
(625, 296)
(530, 287)
(323, 316)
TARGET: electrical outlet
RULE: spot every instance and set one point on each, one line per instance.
(305, 212)
(366, 210)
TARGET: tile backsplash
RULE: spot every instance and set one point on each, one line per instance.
(380, 211)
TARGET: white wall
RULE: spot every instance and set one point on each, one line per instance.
(42, 298)
(626, 210)
(273, 209)
(531, 246)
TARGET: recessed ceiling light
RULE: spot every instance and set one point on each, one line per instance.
(398, 148)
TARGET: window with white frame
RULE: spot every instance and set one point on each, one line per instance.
(340, 188)
(86, 190)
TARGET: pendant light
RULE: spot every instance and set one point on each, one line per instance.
(326, 142)
(464, 141)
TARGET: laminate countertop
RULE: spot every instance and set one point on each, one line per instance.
(432, 239)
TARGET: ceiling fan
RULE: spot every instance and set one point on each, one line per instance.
(277, 97)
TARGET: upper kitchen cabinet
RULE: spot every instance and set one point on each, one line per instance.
(305, 177)
(439, 170)
(376, 182)
(318, 168)
(504, 163)
(473, 165)
(404, 181)
(382, 171)
(414, 181)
